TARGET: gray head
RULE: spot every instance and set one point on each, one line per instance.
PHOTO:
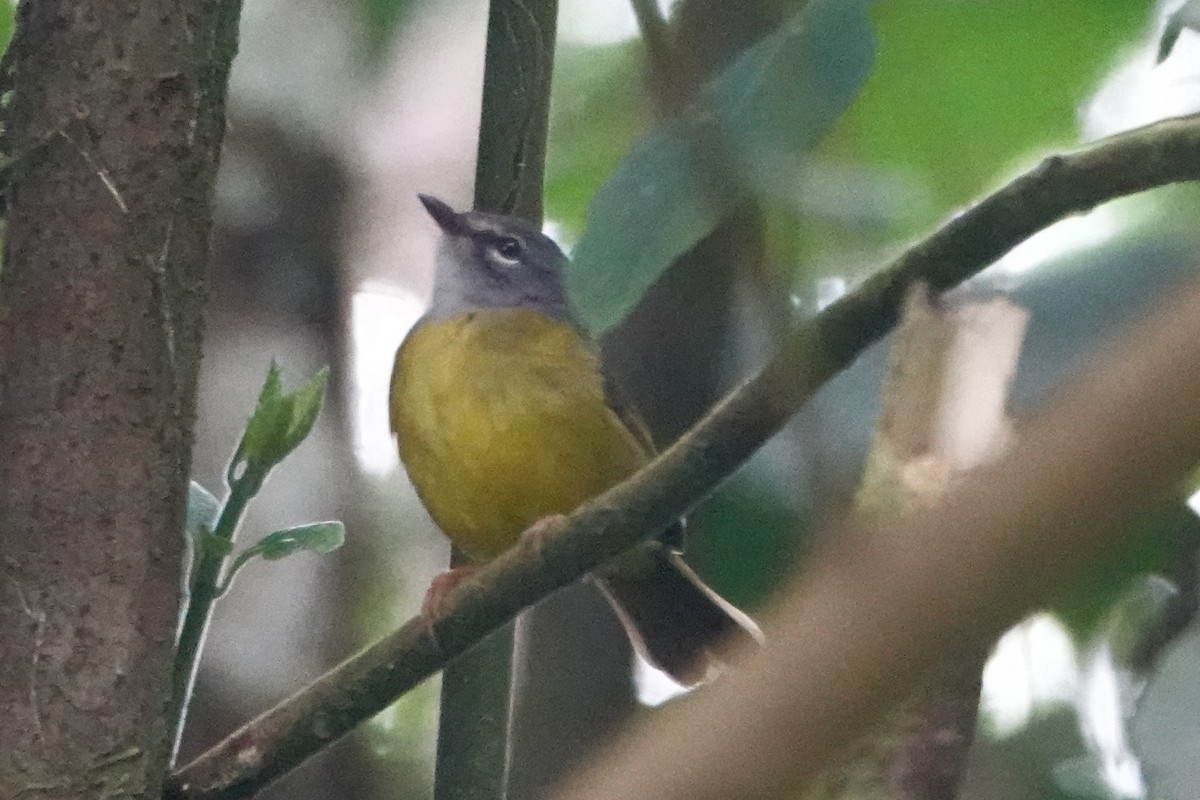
(494, 261)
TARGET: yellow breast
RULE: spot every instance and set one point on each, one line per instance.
(501, 419)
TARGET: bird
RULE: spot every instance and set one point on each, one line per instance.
(504, 419)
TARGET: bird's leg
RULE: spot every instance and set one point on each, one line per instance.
(532, 540)
(434, 605)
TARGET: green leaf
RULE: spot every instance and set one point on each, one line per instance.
(963, 94)
(1140, 609)
(306, 404)
(8, 12)
(202, 510)
(272, 388)
(766, 109)
(1186, 16)
(316, 537)
(280, 422)
(1147, 547)
(652, 210)
(269, 422)
(380, 19)
(779, 97)
(597, 114)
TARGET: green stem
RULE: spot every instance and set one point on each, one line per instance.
(205, 583)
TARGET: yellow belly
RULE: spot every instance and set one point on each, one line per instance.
(501, 419)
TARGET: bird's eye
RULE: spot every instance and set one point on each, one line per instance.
(508, 248)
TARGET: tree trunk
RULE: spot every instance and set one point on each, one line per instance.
(113, 122)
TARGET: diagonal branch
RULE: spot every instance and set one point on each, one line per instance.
(281, 738)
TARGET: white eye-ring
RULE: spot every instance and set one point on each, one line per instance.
(508, 249)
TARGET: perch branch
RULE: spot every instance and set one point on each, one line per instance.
(282, 737)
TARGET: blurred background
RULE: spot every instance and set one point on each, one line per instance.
(341, 112)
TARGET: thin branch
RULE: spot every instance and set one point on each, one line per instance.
(665, 66)
(654, 30)
(683, 475)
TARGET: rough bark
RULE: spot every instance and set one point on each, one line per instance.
(113, 120)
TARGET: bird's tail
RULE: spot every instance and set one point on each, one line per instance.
(673, 619)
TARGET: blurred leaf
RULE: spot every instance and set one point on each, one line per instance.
(653, 209)
(8, 13)
(963, 91)
(746, 540)
(1025, 762)
(1186, 16)
(1140, 610)
(380, 21)
(1147, 547)
(596, 116)
(1088, 777)
(780, 96)
(768, 107)
(202, 510)
(315, 537)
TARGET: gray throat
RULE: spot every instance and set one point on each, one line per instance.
(458, 290)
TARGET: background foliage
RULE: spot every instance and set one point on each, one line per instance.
(840, 140)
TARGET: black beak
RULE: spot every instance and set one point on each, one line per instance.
(446, 217)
